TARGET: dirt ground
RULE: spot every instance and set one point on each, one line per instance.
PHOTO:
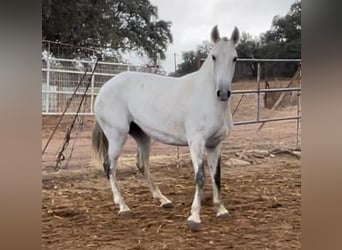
(261, 183)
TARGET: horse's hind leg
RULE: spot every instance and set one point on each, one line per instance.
(143, 154)
(116, 140)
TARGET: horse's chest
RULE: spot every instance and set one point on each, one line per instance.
(215, 135)
(211, 126)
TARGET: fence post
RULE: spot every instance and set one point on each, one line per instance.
(298, 102)
(258, 94)
(92, 93)
(47, 101)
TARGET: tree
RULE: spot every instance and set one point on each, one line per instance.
(247, 48)
(192, 59)
(116, 24)
(284, 38)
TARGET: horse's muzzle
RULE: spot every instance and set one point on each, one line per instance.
(223, 95)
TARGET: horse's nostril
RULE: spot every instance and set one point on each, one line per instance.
(218, 93)
(228, 93)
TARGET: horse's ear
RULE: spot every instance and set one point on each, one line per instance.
(235, 36)
(215, 35)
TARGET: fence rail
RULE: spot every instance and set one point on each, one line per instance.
(268, 60)
(60, 76)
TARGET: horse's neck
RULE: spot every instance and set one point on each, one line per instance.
(206, 75)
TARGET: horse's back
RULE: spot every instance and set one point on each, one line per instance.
(135, 78)
(131, 88)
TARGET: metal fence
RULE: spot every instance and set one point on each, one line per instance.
(258, 91)
(60, 77)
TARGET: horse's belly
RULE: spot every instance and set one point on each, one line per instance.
(172, 135)
(162, 119)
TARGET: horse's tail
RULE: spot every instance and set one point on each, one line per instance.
(100, 147)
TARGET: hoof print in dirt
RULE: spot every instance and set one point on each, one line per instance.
(194, 226)
(167, 205)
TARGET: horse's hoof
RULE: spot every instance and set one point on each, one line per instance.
(125, 213)
(194, 226)
(222, 215)
(167, 205)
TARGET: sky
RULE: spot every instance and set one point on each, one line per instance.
(193, 20)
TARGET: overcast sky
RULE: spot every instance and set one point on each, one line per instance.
(192, 21)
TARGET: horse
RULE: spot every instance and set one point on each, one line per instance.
(192, 110)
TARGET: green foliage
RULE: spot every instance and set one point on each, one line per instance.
(193, 59)
(283, 41)
(247, 47)
(116, 24)
(284, 38)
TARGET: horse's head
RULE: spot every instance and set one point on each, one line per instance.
(224, 58)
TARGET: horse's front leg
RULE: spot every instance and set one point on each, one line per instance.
(196, 152)
(214, 163)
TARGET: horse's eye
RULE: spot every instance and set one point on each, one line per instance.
(234, 59)
(213, 57)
